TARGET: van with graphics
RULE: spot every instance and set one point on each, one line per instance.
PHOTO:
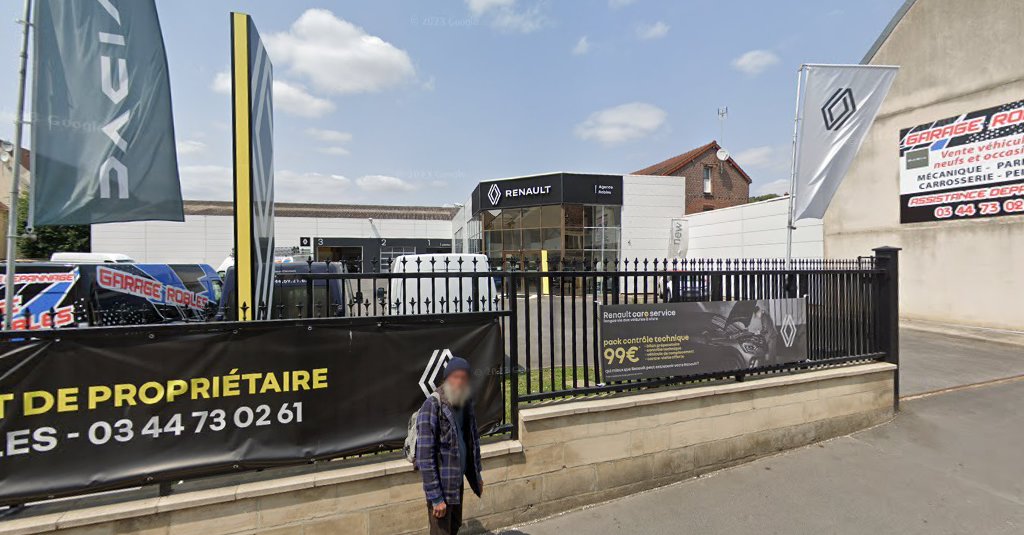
(52, 295)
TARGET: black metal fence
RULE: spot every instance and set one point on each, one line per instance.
(551, 319)
(552, 327)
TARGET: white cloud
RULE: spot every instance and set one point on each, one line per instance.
(619, 124)
(329, 136)
(333, 151)
(755, 62)
(766, 162)
(294, 99)
(213, 183)
(615, 4)
(334, 137)
(221, 83)
(206, 182)
(479, 7)
(187, 147)
(507, 16)
(652, 31)
(384, 183)
(288, 97)
(338, 57)
(767, 158)
(295, 186)
(582, 46)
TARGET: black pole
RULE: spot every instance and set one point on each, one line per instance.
(888, 259)
(513, 358)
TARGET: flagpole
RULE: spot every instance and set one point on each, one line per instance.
(792, 172)
(12, 210)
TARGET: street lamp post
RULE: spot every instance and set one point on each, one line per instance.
(12, 209)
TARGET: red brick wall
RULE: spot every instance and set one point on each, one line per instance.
(728, 187)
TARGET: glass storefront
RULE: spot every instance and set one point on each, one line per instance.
(577, 234)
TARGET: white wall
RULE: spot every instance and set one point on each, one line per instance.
(209, 239)
(756, 230)
(649, 203)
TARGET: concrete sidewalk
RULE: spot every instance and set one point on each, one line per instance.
(948, 463)
(930, 360)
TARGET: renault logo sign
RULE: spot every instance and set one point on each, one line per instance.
(437, 363)
(838, 109)
(494, 194)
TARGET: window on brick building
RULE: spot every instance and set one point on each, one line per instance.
(707, 180)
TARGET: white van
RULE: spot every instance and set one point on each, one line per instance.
(440, 295)
(91, 258)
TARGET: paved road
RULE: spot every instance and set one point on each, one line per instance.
(933, 361)
(949, 463)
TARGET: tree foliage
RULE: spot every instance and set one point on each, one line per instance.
(49, 239)
(765, 197)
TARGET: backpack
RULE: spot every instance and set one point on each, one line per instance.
(409, 449)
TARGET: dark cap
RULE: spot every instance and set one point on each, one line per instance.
(456, 364)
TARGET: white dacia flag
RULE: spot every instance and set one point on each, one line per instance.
(840, 103)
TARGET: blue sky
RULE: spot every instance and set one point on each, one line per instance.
(413, 102)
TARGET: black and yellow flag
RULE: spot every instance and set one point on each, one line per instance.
(252, 80)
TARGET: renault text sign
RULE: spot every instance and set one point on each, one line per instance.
(550, 189)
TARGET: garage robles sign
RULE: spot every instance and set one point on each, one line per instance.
(964, 167)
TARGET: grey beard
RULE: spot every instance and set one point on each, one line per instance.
(453, 397)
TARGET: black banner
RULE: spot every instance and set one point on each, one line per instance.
(647, 341)
(106, 408)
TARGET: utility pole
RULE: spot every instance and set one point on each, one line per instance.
(12, 209)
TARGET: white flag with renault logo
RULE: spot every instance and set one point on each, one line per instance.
(839, 105)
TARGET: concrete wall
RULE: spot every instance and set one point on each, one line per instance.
(955, 57)
(208, 239)
(648, 205)
(568, 455)
(756, 230)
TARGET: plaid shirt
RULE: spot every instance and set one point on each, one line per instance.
(437, 452)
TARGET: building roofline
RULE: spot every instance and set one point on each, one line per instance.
(333, 211)
(674, 164)
(889, 28)
(534, 175)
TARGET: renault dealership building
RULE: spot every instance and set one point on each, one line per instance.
(569, 217)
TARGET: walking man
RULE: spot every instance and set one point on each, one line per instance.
(448, 448)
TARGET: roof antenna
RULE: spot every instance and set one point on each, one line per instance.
(723, 155)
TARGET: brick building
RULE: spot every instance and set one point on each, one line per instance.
(710, 183)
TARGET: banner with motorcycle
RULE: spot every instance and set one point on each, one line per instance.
(648, 341)
(105, 408)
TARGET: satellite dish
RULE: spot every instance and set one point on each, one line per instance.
(7, 146)
(722, 154)
(4, 157)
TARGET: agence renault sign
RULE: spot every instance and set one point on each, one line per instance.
(549, 189)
